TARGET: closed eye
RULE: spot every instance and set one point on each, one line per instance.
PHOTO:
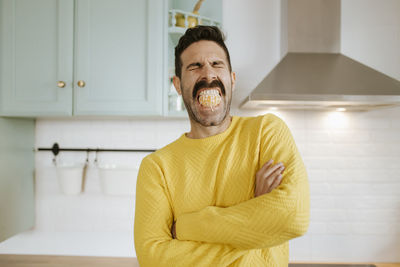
(218, 64)
(193, 66)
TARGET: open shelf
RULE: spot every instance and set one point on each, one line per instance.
(177, 28)
(179, 19)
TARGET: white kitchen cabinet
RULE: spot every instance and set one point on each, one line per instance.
(36, 52)
(119, 48)
(65, 57)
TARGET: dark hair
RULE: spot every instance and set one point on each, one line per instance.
(195, 34)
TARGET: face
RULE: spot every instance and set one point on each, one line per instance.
(205, 67)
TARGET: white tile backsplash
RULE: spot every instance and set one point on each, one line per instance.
(353, 163)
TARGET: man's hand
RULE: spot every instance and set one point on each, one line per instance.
(268, 178)
(173, 230)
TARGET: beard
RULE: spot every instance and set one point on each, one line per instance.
(192, 105)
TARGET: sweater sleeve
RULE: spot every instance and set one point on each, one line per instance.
(154, 244)
(267, 220)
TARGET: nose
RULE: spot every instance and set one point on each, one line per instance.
(208, 73)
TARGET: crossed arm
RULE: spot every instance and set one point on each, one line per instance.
(264, 221)
(153, 219)
(268, 178)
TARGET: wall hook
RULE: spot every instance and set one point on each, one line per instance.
(55, 149)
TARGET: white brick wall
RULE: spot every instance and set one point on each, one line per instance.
(353, 162)
(91, 213)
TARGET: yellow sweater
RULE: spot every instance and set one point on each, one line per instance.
(207, 187)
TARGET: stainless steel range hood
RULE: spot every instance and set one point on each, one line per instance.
(324, 78)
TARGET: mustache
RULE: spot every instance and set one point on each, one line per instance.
(204, 84)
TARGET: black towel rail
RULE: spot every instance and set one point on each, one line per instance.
(56, 149)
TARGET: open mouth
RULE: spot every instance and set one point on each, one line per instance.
(209, 98)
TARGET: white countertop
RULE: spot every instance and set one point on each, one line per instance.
(108, 244)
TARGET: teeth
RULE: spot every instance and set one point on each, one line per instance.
(209, 98)
(209, 92)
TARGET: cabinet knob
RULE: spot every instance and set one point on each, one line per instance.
(81, 83)
(61, 84)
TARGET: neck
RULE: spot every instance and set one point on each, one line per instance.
(198, 131)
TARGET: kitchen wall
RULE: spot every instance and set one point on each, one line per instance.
(371, 34)
(352, 158)
(94, 223)
(255, 40)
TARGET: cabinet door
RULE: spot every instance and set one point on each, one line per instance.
(119, 56)
(36, 52)
(17, 205)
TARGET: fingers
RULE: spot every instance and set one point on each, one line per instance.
(266, 169)
(267, 164)
(268, 177)
(273, 180)
(276, 182)
(274, 169)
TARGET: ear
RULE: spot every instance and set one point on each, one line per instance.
(233, 78)
(177, 83)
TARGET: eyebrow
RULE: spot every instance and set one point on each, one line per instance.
(196, 64)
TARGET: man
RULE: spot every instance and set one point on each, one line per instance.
(214, 197)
